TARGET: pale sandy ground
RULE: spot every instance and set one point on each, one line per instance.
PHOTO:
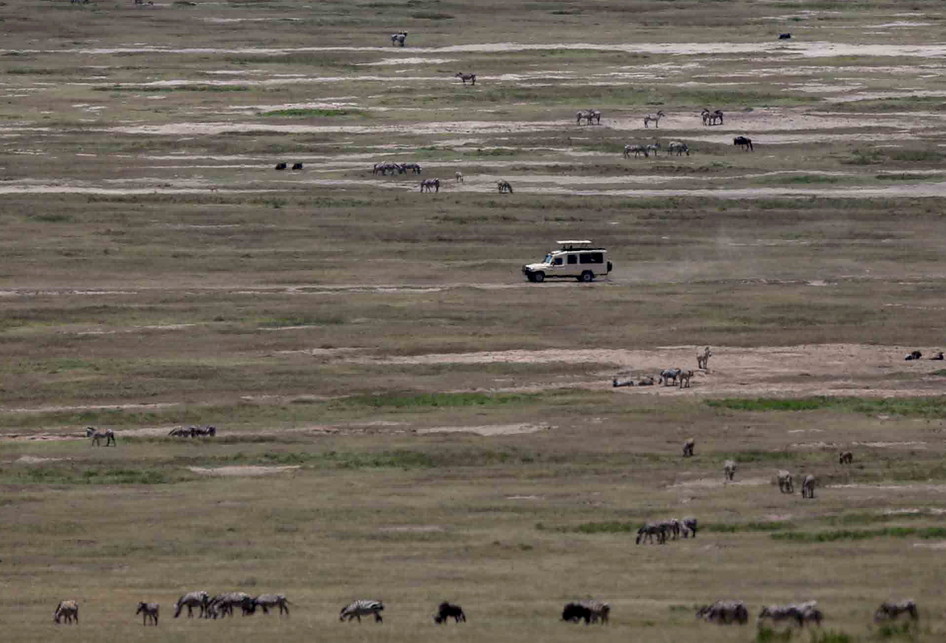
(244, 470)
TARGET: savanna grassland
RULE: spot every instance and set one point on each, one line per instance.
(400, 414)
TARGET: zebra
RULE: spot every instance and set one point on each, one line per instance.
(688, 447)
(689, 527)
(415, 168)
(362, 607)
(724, 612)
(466, 77)
(191, 600)
(801, 614)
(655, 118)
(181, 432)
(845, 457)
(96, 435)
(221, 605)
(669, 375)
(702, 359)
(637, 149)
(428, 185)
(653, 147)
(744, 142)
(204, 431)
(785, 482)
(808, 487)
(712, 118)
(504, 186)
(272, 601)
(890, 610)
(582, 115)
(446, 610)
(600, 611)
(678, 148)
(459, 176)
(729, 469)
(398, 38)
(648, 531)
(384, 168)
(685, 378)
(68, 610)
(594, 115)
(149, 612)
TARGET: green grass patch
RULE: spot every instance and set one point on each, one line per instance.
(926, 407)
(904, 176)
(434, 400)
(313, 112)
(802, 179)
(835, 535)
(300, 320)
(149, 89)
(100, 475)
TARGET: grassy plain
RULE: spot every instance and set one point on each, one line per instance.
(444, 430)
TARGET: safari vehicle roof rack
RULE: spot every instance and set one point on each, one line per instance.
(576, 244)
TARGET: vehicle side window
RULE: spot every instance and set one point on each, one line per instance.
(592, 257)
(572, 259)
(558, 261)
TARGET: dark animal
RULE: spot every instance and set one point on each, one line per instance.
(280, 166)
(938, 356)
(688, 447)
(575, 613)
(446, 610)
(297, 166)
(744, 143)
(913, 355)
(845, 457)
(890, 610)
(784, 36)
(466, 77)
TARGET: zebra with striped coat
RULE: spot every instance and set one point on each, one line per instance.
(362, 607)
(149, 612)
(97, 436)
(398, 38)
(199, 599)
(68, 610)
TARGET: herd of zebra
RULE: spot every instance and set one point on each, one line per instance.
(396, 168)
(723, 612)
(206, 431)
(664, 530)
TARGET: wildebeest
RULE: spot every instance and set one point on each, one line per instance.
(414, 168)
(590, 116)
(784, 36)
(688, 447)
(938, 356)
(808, 487)
(702, 359)
(685, 377)
(655, 118)
(678, 148)
(447, 610)
(648, 531)
(724, 613)
(743, 142)
(913, 355)
(891, 610)
(280, 166)
(362, 607)
(504, 186)
(398, 38)
(149, 612)
(729, 469)
(589, 611)
(845, 457)
(68, 610)
(466, 77)
(785, 482)
(191, 600)
(297, 166)
(97, 435)
(574, 613)
(430, 185)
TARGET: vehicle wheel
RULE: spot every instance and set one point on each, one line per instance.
(587, 276)
(538, 277)
(530, 277)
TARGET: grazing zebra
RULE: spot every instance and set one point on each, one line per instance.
(845, 457)
(415, 168)
(688, 447)
(430, 185)
(712, 118)
(190, 601)
(504, 186)
(591, 116)
(800, 614)
(96, 435)
(459, 176)
(669, 375)
(447, 610)
(272, 601)
(149, 612)
(685, 378)
(724, 613)
(655, 118)
(785, 482)
(890, 610)
(181, 432)
(689, 527)
(673, 527)
(678, 148)
(653, 147)
(637, 149)
(466, 77)
(281, 166)
(222, 605)
(68, 610)
(702, 359)
(729, 469)
(297, 166)
(362, 607)
(648, 531)
(808, 487)
(743, 142)
(398, 38)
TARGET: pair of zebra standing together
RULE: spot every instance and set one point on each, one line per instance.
(673, 147)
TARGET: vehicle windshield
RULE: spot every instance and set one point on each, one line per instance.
(548, 258)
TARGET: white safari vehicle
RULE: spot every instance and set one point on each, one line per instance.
(575, 259)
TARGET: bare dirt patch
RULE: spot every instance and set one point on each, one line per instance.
(488, 430)
(244, 470)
